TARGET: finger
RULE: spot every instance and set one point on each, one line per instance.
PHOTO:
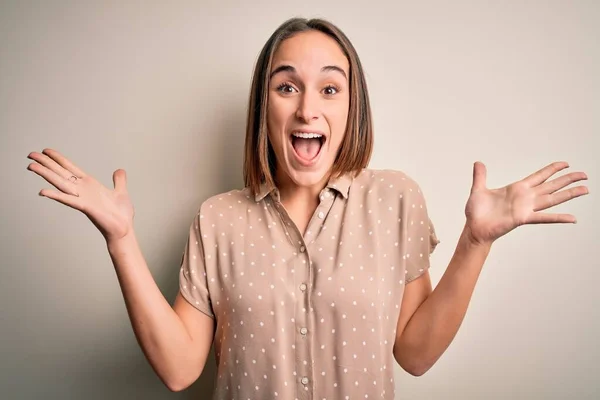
(547, 218)
(561, 182)
(541, 175)
(49, 163)
(550, 200)
(53, 178)
(64, 162)
(71, 201)
(479, 176)
(120, 180)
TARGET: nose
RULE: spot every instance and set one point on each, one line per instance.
(308, 107)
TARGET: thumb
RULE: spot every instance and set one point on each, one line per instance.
(120, 180)
(479, 176)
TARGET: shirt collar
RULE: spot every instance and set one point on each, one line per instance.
(340, 184)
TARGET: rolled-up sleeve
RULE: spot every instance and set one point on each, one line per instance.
(419, 233)
(193, 282)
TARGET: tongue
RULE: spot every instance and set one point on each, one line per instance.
(307, 148)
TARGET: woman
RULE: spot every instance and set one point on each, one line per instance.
(314, 278)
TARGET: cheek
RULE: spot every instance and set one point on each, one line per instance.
(273, 125)
(275, 141)
(339, 109)
(278, 112)
(338, 118)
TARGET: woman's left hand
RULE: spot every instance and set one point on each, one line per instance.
(492, 213)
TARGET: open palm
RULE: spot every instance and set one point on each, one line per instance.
(492, 213)
(111, 211)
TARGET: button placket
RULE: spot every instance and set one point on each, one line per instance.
(304, 325)
(305, 340)
(315, 225)
(304, 320)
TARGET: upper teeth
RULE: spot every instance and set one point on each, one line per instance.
(307, 135)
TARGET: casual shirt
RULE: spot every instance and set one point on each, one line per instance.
(313, 315)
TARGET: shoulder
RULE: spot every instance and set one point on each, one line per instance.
(226, 204)
(388, 180)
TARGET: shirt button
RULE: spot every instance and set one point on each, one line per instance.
(304, 381)
(302, 249)
(303, 287)
(321, 214)
(303, 331)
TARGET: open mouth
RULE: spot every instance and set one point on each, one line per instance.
(307, 145)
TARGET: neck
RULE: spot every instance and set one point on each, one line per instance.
(292, 194)
(299, 201)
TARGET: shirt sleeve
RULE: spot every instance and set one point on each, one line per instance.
(193, 282)
(420, 239)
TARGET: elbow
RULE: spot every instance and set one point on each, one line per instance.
(413, 368)
(417, 370)
(178, 383)
(179, 377)
(414, 365)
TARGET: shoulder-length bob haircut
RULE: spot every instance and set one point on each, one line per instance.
(356, 148)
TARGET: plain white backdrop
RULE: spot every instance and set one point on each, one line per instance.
(161, 89)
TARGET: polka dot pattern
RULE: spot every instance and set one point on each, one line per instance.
(308, 315)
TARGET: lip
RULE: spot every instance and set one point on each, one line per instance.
(325, 138)
(300, 160)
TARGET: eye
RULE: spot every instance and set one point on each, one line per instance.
(286, 88)
(330, 90)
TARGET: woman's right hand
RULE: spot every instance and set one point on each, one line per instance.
(110, 211)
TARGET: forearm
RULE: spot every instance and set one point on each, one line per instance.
(158, 329)
(434, 324)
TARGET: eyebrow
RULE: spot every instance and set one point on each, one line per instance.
(289, 68)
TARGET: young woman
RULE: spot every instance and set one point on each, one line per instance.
(312, 280)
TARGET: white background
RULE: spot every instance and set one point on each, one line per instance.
(161, 89)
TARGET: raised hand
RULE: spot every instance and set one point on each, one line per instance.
(492, 213)
(110, 211)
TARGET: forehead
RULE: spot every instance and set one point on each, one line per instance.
(310, 50)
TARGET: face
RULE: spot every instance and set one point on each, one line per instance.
(308, 106)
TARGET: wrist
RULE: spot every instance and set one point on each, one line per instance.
(472, 242)
(119, 245)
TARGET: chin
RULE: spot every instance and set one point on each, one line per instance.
(307, 178)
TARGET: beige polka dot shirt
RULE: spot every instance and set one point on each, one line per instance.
(308, 316)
